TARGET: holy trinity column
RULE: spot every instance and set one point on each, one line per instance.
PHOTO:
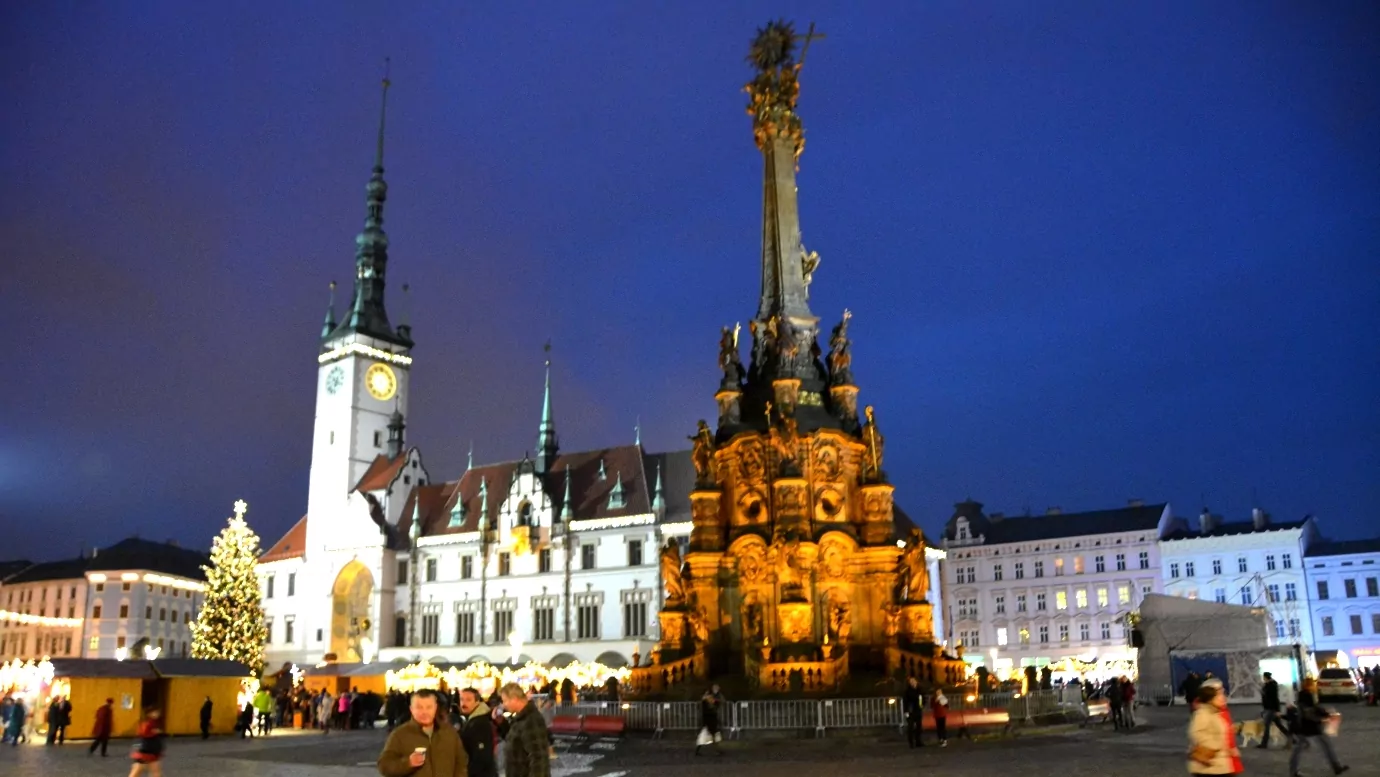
(795, 558)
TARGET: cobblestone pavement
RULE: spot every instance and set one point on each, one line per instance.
(1153, 750)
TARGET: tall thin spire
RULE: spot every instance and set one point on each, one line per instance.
(367, 314)
(547, 445)
(469, 458)
(329, 325)
(658, 497)
(637, 431)
(568, 509)
(774, 91)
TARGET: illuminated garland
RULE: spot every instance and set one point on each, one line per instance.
(37, 620)
(487, 677)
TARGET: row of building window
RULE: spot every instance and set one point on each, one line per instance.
(1286, 561)
(1350, 589)
(505, 563)
(1355, 621)
(163, 614)
(27, 596)
(969, 574)
(968, 608)
(163, 589)
(972, 639)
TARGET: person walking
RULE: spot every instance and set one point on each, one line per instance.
(263, 705)
(100, 731)
(527, 746)
(1128, 702)
(939, 708)
(424, 746)
(325, 707)
(59, 718)
(710, 705)
(1310, 719)
(14, 730)
(1271, 709)
(206, 718)
(148, 753)
(478, 734)
(913, 707)
(1211, 736)
(1115, 702)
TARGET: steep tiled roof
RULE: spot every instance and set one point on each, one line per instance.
(1059, 525)
(67, 569)
(381, 473)
(1234, 529)
(589, 493)
(11, 568)
(1344, 547)
(135, 553)
(292, 545)
(677, 481)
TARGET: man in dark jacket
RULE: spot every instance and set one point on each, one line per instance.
(477, 734)
(206, 718)
(1269, 700)
(1309, 726)
(423, 746)
(527, 746)
(913, 706)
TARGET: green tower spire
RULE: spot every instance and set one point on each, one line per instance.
(367, 315)
(547, 445)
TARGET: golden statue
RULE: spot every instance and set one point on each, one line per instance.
(703, 454)
(872, 466)
(914, 571)
(672, 580)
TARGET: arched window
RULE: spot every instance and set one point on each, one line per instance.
(525, 514)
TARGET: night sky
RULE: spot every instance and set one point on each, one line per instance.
(1094, 253)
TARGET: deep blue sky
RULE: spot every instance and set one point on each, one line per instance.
(1095, 251)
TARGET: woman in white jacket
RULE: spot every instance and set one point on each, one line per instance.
(1211, 736)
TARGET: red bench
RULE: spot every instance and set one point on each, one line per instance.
(604, 726)
(566, 724)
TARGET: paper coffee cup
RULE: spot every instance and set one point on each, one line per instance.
(419, 750)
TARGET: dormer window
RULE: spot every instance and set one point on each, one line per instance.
(457, 514)
(963, 529)
(616, 498)
(524, 517)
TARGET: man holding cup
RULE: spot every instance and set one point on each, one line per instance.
(422, 747)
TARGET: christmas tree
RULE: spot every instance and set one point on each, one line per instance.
(231, 621)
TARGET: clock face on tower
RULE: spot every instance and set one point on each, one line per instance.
(334, 380)
(381, 381)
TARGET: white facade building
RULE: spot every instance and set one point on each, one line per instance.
(1257, 562)
(113, 602)
(550, 557)
(1344, 590)
(1052, 590)
(41, 611)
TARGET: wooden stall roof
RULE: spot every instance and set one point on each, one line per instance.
(103, 667)
(199, 667)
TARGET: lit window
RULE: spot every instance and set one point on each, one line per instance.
(1061, 600)
(1001, 636)
(1080, 598)
(1123, 594)
(1101, 597)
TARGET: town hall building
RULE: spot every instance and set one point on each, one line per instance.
(551, 557)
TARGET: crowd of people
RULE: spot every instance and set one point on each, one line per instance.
(435, 741)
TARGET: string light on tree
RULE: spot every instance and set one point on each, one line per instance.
(231, 624)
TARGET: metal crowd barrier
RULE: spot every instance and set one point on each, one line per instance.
(819, 715)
